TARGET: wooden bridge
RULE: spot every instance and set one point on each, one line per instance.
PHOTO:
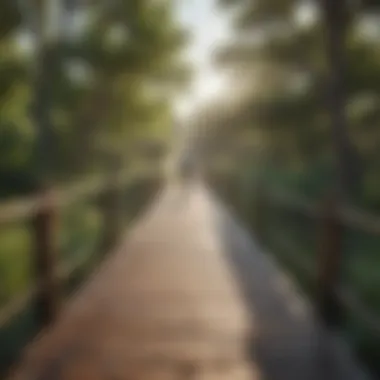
(187, 294)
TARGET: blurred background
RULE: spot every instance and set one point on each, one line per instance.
(277, 102)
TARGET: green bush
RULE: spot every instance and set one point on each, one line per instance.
(15, 261)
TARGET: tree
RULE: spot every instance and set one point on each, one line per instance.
(336, 19)
(287, 63)
(109, 83)
(131, 51)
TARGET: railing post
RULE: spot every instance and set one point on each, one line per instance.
(46, 257)
(112, 210)
(259, 212)
(330, 263)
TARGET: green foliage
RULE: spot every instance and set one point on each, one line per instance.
(15, 263)
(10, 17)
(111, 83)
(288, 105)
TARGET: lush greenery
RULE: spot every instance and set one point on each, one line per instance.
(285, 108)
(306, 122)
(91, 91)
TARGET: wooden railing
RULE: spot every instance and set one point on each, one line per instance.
(333, 298)
(41, 212)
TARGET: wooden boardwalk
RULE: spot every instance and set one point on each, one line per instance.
(164, 306)
(188, 296)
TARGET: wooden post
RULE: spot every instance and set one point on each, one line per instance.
(336, 20)
(46, 257)
(112, 209)
(330, 263)
(259, 212)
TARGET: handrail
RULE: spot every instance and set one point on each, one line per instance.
(24, 208)
(358, 219)
(350, 217)
(298, 203)
(331, 216)
(29, 207)
(13, 211)
(20, 209)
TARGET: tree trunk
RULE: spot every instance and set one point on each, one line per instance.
(347, 165)
(46, 61)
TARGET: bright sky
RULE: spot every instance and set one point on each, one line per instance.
(208, 27)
